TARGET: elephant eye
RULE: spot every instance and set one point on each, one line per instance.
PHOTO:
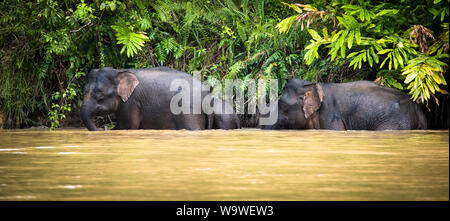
(99, 95)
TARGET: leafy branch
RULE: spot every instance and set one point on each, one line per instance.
(358, 39)
(132, 41)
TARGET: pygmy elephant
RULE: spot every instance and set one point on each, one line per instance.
(141, 99)
(359, 105)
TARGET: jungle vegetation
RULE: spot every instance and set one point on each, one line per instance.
(47, 47)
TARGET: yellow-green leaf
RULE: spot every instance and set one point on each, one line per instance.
(285, 25)
(343, 52)
(325, 33)
(315, 35)
(295, 7)
(350, 39)
(358, 37)
(384, 51)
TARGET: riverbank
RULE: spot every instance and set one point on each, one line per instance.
(437, 120)
(73, 120)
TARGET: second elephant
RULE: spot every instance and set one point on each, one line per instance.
(360, 105)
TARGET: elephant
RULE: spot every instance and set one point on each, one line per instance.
(359, 105)
(141, 99)
(219, 119)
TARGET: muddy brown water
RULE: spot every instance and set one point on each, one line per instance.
(247, 164)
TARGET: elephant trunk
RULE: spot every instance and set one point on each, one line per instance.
(86, 116)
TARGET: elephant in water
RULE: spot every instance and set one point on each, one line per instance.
(359, 105)
(141, 99)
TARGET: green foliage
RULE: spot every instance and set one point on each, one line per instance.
(380, 37)
(46, 44)
(166, 47)
(132, 41)
(424, 74)
(63, 102)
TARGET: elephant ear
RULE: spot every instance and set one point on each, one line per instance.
(127, 84)
(312, 99)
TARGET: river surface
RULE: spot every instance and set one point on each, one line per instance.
(247, 164)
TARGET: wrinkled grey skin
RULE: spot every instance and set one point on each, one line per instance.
(360, 105)
(223, 121)
(140, 99)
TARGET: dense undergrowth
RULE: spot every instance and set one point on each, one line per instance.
(47, 47)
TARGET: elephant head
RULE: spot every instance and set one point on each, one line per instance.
(299, 105)
(106, 89)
